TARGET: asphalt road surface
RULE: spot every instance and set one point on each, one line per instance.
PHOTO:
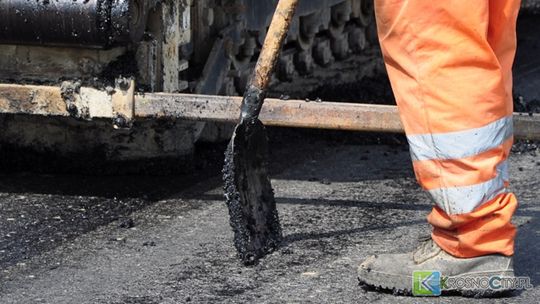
(338, 203)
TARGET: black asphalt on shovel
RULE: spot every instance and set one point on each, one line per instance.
(248, 192)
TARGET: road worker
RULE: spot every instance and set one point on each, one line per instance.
(450, 66)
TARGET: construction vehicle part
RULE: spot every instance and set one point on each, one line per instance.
(123, 102)
(88, 23)
(203, 47)
(48, 101)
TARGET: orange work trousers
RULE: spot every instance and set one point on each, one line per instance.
(450, 66)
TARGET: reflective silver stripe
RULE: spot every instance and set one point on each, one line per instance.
(502, 170)
(454, 145)
(464, 199)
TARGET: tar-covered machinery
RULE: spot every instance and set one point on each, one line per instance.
(83, 52)
(68, 68)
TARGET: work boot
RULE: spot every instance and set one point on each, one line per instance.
(394, 273)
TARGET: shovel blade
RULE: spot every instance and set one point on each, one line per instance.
(249, 194)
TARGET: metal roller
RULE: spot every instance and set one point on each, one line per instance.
(84, 23)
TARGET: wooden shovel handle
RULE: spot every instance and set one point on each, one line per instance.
(277, 31)
(255, 91)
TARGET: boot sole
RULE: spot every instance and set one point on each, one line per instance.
(379, 286)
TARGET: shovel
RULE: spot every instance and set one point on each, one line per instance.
(248, 192)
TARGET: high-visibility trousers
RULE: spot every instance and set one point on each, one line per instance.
(449, 64)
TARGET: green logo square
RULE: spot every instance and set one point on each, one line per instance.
(426, 283)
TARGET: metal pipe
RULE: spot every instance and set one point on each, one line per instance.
(48, 101)
(297, 113)
(275, 112)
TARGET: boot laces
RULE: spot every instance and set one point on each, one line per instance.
(425, 251)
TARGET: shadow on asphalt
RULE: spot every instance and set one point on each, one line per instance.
(527, 249)
(130, 186)
(302, 236)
